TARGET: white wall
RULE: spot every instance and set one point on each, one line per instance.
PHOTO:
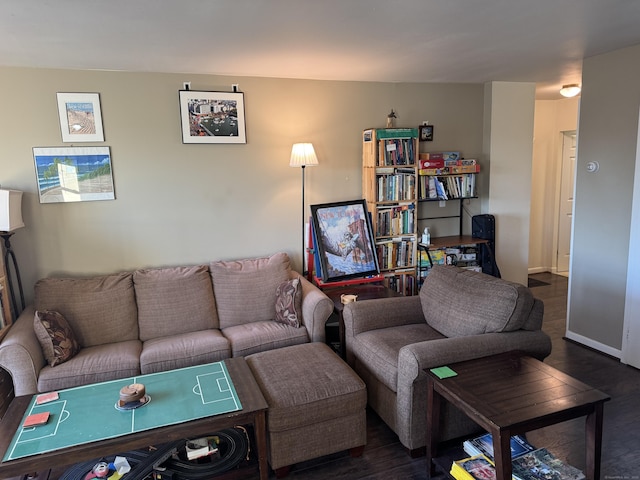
(608, 128)
(509, 145)
(552, 117)
(185, 204)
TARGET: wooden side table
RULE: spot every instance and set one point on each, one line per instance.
(509, 394)
(364, 292)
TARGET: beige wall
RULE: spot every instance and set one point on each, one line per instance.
(184, 204)
(508, 143)
(608, 134)
(552, 117)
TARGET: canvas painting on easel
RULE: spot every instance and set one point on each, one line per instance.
(344, 240)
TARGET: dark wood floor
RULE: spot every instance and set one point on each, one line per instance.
(385, 458)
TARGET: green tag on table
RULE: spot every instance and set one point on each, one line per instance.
(443, 372)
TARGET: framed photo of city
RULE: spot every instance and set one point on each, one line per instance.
(343, 241)
(73, 174)
(80, 117)
(212, 117)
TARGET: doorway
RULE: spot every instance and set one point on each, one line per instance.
(565, 207)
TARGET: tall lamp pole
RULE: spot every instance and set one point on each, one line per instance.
(303, 155)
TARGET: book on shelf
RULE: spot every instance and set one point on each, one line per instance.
(528, 462)
(542, 464)
(476, 467)
(484, 445)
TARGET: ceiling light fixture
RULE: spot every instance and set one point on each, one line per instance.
(570, 90)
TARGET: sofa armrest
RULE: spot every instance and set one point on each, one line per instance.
(414, 358)
(21, 354)
(316, 308)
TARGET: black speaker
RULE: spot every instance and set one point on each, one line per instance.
(484, 227)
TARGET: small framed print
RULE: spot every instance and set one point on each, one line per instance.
(73, 174)
(426, 133)
(80, 117)
(212, 117)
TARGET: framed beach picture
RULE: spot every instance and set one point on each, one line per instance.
(212, 117)
(80, 117)
(344, 240)
(73, 174)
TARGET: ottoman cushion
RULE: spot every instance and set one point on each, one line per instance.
(305, 385)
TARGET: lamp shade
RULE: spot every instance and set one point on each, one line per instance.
(303, 155)
(570, 90)
(10, 210)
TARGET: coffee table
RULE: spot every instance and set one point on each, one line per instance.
(510, 394)
(253, 411)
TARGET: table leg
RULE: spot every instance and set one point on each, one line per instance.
(593, 441)
(502, 453)
(260, 425)
(434, 402)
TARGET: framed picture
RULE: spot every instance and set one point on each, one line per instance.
(212, 117)
(344, 240)
(426, 133)
(73, 174)
(80, 117)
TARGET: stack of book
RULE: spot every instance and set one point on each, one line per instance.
(528, 462)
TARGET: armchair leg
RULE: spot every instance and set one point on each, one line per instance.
(356, 451)
(418, 452)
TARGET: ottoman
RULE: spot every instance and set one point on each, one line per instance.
(316, 404)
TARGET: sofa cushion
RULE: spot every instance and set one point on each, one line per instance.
(379, 349)
(289, 303)
(183, 350)
(245, 290)
(56, 338)
(174, 300)
(93, 364)
(260, 336)
(459, 302)
(100, 310)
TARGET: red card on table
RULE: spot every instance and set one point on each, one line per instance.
(36, 419)
(46, 397)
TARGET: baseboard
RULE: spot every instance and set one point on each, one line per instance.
(588, 342)
(534, 270)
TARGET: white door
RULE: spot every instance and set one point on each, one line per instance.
(566, 202)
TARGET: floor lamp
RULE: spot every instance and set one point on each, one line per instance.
(11, 220)
(303, 155)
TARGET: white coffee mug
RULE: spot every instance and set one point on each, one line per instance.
(347, 298)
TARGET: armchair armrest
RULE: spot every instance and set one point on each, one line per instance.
(316, 308)
(414, 358)
(377, 313)
(21, 354)
(360, 317)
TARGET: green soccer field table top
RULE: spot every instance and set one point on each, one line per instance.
(88, 413)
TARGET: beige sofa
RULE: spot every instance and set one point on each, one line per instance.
(458, 315)
(152, 320)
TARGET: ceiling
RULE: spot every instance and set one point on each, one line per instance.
(452, 41)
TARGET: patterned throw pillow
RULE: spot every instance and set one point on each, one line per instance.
(289, 303)
(55, 336)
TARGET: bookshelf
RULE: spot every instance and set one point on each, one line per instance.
(446, 180)
(390, 188)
